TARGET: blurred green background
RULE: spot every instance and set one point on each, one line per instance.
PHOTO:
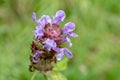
(96, 51)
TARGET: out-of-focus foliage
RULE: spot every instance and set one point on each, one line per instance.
(96, 50)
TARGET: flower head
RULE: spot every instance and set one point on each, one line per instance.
(48, 38)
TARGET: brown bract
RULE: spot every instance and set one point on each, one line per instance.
(46, 59)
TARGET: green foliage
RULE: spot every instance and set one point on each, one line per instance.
(96, 50)
(55, 75)
(61, 65)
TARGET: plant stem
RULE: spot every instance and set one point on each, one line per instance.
(33, 76)
(45, 77)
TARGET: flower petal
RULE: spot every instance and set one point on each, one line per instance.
(59, 50)
(69, 41)
(38, 32)
(70, 26)
(40, 27)
(38, 22)
(35, 56)
(72, 34)
(68, 53)
(60, 53)
(59, 16)
(34, 16)
(66, 38)
(59, 56)
(49, 44)
(45, 19)
(37, 53)
(35, 60)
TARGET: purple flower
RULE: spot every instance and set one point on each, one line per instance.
(70, 26)
(34, 16)
(69, 41)
(59, 56)
(61, 52)
(59, 16)
(51, 32)
(72, 34)
(48, 38)
(49, 44)
(36, 55)
(45, 19)
(68, 53)
(67, 29)
(38, 33)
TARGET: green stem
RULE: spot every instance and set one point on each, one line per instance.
(33, 76)
(45, 77)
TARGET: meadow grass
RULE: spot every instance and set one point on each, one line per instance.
(96, 51)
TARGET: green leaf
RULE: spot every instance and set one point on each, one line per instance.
(61, 65)
(52, 75)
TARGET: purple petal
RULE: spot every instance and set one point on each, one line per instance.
(56, 49)
(34, 16)
(69, 41)
(72, 34)
(63, 39)
(38, 22)
(66, 38)
(38, 32)
(68, 53)
(49, 44)
(59, 50)
(39, 27)
(70, 26)
(35, 56)
(35, 60)
(59, 16)
(59, 56)
(45, 19)
(60, 53)
(37, 53)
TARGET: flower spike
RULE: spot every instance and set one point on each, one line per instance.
(48, 38)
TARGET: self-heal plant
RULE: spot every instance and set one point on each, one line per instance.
(48, 38)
